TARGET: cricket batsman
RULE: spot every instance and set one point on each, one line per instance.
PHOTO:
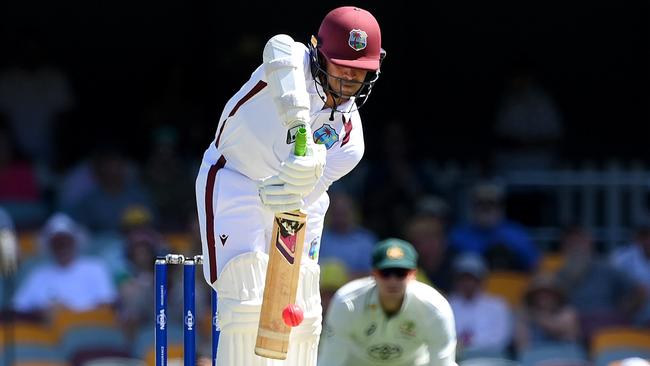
(389, 318)
(249, 172)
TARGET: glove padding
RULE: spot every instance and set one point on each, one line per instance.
(274, 195)
(301, 173)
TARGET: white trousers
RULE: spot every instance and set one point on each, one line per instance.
(234, 221)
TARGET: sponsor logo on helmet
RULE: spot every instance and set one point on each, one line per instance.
(358, 39)
(326, 135)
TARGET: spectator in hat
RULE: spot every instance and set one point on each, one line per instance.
(134, 310)
(66, 279)
(504, 243)
(547, 317)
(634, 260)
(483, 321)
(333, 275)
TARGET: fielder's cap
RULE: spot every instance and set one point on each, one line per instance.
(470, 263)
(394, 253)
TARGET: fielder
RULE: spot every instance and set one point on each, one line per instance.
(389, 318)
(249, 172)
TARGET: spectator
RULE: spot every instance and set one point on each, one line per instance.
(529, 125)
(167, 178)
(634, 260)
(333, 275)
(504, 243)
(20, 192)
(66, 279)
(114, 187)
(483, 322)
(546, 317)
(8, 246)
(601, 294)
(134, 309)
(33, 96)
(343, 237)
(394, 182)
(426, 232)
(18, 180)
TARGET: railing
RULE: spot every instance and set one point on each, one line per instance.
(609, 200)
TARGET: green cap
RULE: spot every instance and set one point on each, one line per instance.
(394, 253)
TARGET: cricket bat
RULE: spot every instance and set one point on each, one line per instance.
(282, 274)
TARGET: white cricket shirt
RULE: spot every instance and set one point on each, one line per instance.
(253, 140)
(357, 332)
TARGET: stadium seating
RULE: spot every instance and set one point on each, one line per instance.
(78, 339)
(174, 354)
(114, 361)
(488, 361)
(65, 319)
(617, 343)
(554, 355)
(509, 285)
(550, 262)
(615, 356)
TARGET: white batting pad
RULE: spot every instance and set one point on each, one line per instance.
(240, 292)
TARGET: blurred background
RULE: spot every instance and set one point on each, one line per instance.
(517, 131)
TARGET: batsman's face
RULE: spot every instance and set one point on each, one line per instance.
(345, 81)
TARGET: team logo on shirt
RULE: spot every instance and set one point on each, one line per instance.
(326, 135)
(385, 351)
(358, 39)
(371, 329)
(408, 328)
(314, 246)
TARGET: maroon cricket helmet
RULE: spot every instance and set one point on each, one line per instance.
(350, 36)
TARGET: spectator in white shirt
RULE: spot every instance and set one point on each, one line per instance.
(483, 322)
(634, 260)
(65, 279)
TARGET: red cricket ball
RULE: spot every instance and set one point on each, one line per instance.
(292, 315)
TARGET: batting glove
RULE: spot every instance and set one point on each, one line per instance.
(301, 173)
(274, 195)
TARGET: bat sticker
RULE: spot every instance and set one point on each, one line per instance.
(285, 240)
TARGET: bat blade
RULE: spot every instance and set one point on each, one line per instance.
(281, 285)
